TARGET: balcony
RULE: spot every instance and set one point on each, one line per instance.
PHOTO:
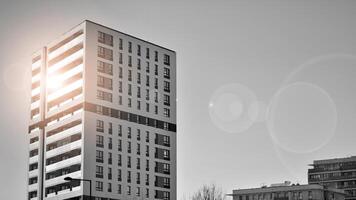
(32, 187)
(60, 179)
(71, 58)
(62, 122)
(63, 149)
(34, 145)
(33, 159)
(65, 47)
(63, 134)
(33, 173)
(64, 163)
(337, 178)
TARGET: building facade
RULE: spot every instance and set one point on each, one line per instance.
(336, 173)
(103, 108)
(289, 192)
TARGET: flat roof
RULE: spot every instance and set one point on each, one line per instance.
(89, 21)
(283, 189)
(129, 35)
(334, 160)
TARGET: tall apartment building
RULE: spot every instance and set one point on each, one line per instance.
(103, 108)
(286, 191)
(336, 173)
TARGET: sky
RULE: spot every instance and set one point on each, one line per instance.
(264, 87)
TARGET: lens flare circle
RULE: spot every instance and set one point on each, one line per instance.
(16, 76)
(257, 111)
(301, 118)
(228, 108)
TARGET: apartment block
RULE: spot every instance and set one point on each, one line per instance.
(103, 108)
(287, 191)
(335, 173)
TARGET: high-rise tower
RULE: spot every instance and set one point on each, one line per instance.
(103, 108)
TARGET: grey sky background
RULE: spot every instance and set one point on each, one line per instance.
(296, 57)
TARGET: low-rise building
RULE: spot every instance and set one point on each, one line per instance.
(286, 191)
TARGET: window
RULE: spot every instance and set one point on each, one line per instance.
(156, 109)
(166, 59)
(129, 103)
(138, 64)
(129, 176)
(138, 92)
(166, 169)
(104, 67)
(138, 163)
(138, 105)
(99, 141)
(120, 58)
(147, 67)
(130, 61)
(156, 69)
(147, 136)
(130, 47)
(147, 107)
(156, 83)
(99, 172)
(105, 38)
(138, 178)
(106, 96)
(147, 165)
(147, 179)
(109, 173)
(119, 148)
(119, 160)
(120, 100)
(120, 86)
(100, 126)
(99, 186)
(166, 73)
(156, 56)
(105, 53)
(138, 135)
(129, 132)
(166, 140)
(147, 193)
(110, 128)
(147, 94)
(128, 147)
(104, 82)
(139, 50)
(147, 151)
(138, 191)
(166, 86)
(129, 91)
(110, 143)
(119, 130)
(110, 158)
(147, 53)
(120, 72)
(119, 175)
(156, 97)
(138, 149)
(129, 77)
(99, 156)
(166, 112)
(166, 100)
(119, 188)
(138, 78)
(128, 190)
(109, 187)
(120, 44)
